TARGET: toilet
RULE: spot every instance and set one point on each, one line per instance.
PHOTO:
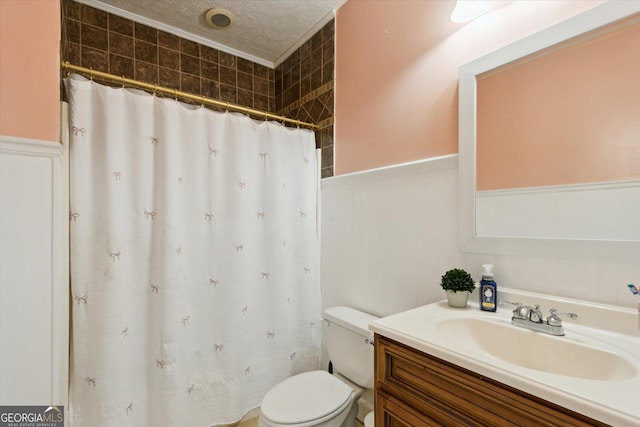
(318, 398)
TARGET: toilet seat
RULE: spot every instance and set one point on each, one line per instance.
(306, 397)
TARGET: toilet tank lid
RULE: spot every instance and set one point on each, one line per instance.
(350, 318)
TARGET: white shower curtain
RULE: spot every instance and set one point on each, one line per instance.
(194, 259)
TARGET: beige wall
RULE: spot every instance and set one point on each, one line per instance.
(29, 69)
(575, 111)
(397, 71)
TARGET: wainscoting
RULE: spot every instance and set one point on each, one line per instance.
(34, 328)
(607, 211)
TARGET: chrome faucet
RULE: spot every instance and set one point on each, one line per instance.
(532, 318)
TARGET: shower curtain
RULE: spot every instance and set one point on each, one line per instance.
(194, 259)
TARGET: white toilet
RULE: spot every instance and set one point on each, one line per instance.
(318, 398)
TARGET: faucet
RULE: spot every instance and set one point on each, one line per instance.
(532, 318)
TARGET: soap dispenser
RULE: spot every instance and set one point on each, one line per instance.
(488, 289)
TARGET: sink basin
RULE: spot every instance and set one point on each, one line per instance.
(537, 351)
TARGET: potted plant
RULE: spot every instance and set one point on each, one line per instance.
(458, 284)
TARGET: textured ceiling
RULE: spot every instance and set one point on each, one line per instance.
(265, 31)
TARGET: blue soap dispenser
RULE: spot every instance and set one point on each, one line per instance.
(488, 289)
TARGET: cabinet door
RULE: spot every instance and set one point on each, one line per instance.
(391, 412)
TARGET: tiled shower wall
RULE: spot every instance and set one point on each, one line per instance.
(301, 87)
(304, 89)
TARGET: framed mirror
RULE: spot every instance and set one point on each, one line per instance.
(532, 169)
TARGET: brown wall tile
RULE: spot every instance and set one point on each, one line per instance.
(261, 102)
(245, 66)
(228, 94)
(211, 89)
(189, 47)
(261, 85)
(120, 65)
(73, 30)
(189, 83)
(227, 60)
(145, 72)
(228, 76)
(145, 33)
(94, 17)
(245, 81)
(71, 10)
(190, 64)
(209, 70)
(94, 36)
(304, 88)
(245, 97)
(169, 41)
(209, 54)
(261, 71)
(168, 58)
(121, 45)
(72, 53)
(93, 58)
(146, 52)
(168, 77)
(121, 25)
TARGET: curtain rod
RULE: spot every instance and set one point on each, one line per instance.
(178, 93)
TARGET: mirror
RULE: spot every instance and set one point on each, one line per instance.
(577, 198)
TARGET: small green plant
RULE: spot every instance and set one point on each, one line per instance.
(457, 280)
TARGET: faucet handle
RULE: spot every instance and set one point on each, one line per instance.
(554, 319)
(504, 301)
(520, 312)
(535, 315)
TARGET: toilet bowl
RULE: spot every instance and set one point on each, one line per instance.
(314, 398)
(318, 398)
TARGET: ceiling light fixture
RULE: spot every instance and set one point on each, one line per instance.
(468, 10)
(219, 18)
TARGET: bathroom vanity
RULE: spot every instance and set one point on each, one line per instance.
(435, 365)
(416, 389)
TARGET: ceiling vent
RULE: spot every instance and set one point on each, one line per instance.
(219, 18)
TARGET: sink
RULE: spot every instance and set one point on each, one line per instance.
(537, 351)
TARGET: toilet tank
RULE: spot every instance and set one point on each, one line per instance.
(346, 337)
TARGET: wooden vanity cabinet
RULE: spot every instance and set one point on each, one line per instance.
(415, 389)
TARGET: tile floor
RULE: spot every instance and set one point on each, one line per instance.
(253, 422)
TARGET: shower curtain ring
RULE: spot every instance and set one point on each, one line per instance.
(175, 95)
(155, 87)
(202, 102)
(91, 73)
(226, 108)
(122, 82)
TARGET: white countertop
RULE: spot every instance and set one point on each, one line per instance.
(615, 402)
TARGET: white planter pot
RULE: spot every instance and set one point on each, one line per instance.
(457, 299)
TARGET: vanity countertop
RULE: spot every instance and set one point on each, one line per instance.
(613, 401)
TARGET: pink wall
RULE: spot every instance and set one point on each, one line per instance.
(574, 113)
(30, 69)
(396, 97)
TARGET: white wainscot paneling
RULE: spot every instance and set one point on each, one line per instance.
(33, 293)
(602, 211)
(388, 235)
